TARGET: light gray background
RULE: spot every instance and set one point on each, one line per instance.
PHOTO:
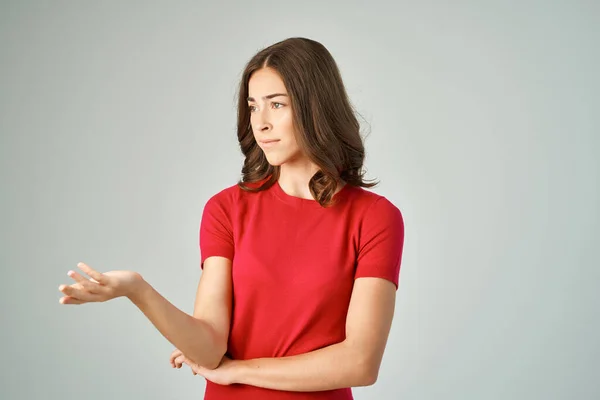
(117, 124)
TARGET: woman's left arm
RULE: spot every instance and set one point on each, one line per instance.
(353, 362)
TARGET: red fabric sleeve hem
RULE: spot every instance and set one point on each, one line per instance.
(215, 252)
(372, 275)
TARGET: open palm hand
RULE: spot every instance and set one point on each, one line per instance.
(99, 287)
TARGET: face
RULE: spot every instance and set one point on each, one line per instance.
(271, 117)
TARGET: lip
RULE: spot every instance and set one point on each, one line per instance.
(269, 142)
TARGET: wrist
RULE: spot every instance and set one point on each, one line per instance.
(240, 374)
(138, 289)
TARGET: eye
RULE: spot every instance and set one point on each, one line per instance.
(252, 107)
(278, 105)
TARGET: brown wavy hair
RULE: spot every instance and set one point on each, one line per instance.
(325, 124)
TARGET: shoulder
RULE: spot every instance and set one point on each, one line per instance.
(225, 195)
(374, 209)
(222, 202)
(371, 202)
(231, 196)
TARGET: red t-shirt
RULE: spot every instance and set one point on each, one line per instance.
(294, 265)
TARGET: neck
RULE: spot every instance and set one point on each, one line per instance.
(294, 179)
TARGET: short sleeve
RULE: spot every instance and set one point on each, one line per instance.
(381, 242)
(216, 233)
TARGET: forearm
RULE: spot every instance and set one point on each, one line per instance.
(195, 338)
(333, 367)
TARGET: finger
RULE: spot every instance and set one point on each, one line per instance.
(77, 286)
(181, 360)
(88, 284)
(79, 294)
(177, 362)
(70, 300)
(176, 353)
(76, 276)
(101, 279)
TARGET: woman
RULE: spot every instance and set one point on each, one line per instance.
(300, 263)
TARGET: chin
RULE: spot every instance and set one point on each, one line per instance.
(276, 161)
(275, 164)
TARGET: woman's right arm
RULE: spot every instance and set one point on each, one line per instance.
(203, 336)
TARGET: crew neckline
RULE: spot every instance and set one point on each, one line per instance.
(299, 201)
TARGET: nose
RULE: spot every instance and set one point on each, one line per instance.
(264, 127)
(261, 122)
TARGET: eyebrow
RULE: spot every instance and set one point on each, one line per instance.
(268, 96)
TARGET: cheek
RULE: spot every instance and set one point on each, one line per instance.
(252, 124)
(286, 126)
(288, 121)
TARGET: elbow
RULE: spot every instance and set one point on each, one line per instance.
(214, 361)
(365, 368)
(210, 361)
(368, 376)
(210, 356)
(212, 364)
(367, 371)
